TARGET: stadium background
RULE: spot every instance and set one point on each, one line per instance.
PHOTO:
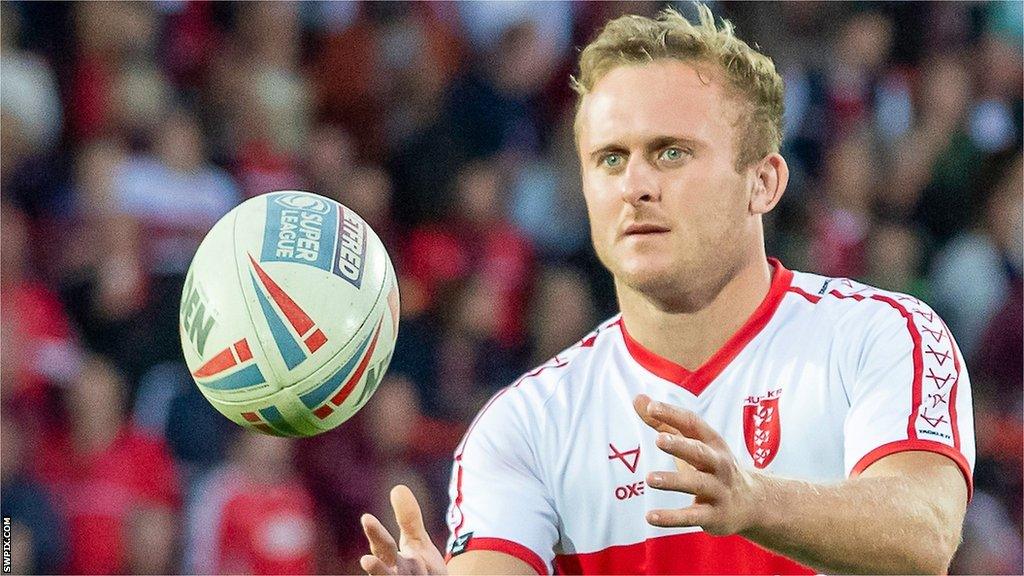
(128, 129)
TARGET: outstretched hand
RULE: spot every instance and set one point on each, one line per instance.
(726, 497)
(414, 553)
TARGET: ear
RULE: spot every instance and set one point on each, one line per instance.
(771, 175)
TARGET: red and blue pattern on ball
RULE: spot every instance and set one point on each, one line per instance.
(340, 385)
(310, 336)
(234, 368)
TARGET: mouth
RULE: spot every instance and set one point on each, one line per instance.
(638, 229)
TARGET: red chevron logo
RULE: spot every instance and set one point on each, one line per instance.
(225, 359)
(304, 326)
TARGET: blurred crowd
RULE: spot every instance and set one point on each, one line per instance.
(128, 129)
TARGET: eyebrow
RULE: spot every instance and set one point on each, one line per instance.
(654, 144)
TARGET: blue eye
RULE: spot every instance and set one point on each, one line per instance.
(672, 154)
(612, 160)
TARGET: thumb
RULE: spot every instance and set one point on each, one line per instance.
(408, 515)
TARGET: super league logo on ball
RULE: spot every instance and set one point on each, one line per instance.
(302, 202)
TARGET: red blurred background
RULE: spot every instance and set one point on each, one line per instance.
(128, 129)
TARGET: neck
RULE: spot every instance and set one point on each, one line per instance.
(690, 334)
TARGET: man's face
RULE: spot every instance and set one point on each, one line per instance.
(668, 210)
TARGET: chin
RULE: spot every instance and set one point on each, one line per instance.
(647, 276)
(665, 276)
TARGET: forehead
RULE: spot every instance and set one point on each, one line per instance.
(666, 97)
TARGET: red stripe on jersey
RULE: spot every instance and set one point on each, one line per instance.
(952, 390)
(458, 459)
(841, 296)
(589, 340)
(558, 364)
(690, 553)
(458, 496)
(921, 446)
(509, 547)
(698, 380)
(813, 299)
(915, 335)
(918, 355)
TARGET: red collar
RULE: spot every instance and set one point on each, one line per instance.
(698, 380)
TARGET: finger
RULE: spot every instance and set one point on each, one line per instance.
(688, 423)
(408, 515)
(694, 452)
(382, 544)
(701, 485)
(410, 563)
(373, 566)
(641, 404)
(696, 515)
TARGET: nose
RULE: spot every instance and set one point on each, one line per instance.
(639, 182)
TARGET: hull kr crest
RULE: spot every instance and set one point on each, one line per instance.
(762, 428)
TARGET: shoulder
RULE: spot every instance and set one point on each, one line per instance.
(852, 304)
(568, 366)
(874, 328)
(516, 406)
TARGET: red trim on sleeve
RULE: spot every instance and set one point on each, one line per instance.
(915, 335)
(509, 547)
(917, 445)
(840, 295)
(918, 355)
(698, 380)
(813, 299)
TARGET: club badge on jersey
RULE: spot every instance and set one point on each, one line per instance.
(762, 427)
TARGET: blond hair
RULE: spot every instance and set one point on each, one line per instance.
(746, 73)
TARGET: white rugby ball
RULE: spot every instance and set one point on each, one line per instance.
(289, 314)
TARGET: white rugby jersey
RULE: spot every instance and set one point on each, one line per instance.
(826, 377)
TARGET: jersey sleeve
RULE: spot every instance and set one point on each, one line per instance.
(909, 388)
(498, 498)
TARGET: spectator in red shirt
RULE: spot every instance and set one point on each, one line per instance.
(39, 347)
(104, 471)
(252, 515)
(477, 239)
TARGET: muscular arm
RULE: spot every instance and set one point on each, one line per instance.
(903, 514)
